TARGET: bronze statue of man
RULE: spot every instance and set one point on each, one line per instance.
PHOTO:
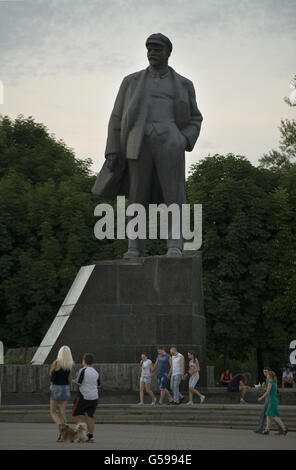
(154, 120)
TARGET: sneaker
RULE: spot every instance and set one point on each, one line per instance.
(202, 399)
(90, 438)
(154, 402)
(140, 403)
(189, 403)
(242, 401)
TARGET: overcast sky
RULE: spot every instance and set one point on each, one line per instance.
(62, 61)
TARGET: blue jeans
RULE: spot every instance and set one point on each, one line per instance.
(175, 384)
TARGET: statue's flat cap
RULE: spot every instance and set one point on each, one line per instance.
(159, 38)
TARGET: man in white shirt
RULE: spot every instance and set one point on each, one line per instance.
(88, 380)
(176, 373)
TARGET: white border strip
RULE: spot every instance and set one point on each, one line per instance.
(63, 314)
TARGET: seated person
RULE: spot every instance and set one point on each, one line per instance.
(287, 379)
(239, 384)
(225, 378)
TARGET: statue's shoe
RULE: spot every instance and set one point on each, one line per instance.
(133, 254)
(174, 253)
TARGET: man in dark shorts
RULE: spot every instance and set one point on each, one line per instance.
(163, 365)
(88, 380)
(239, 384)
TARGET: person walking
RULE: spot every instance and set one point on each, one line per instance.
(163, 365)
(88, 381)
(262, 420)
(272, 411)
(176, 374)
(194, 369)
(145, 379)
(60, 376)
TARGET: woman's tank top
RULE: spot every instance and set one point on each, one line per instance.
(192, 364)
(226, 376)
(177, 364)
(60, 377)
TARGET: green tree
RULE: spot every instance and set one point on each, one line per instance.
(285, 156)
(279, 312)
(279, 309)
(46, 227)
(236, 259)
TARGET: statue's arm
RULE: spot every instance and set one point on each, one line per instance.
(112, 151)
(192, 129)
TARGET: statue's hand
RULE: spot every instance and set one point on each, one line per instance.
(184, 141)
(112, 161)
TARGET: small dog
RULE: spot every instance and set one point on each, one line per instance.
(70, 434)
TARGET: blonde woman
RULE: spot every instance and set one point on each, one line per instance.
(272, 410)
(60, 376)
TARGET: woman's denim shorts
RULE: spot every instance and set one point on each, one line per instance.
(145, 379)
(60, 392)
(193, 380)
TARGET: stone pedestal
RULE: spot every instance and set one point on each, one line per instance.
(119, 309)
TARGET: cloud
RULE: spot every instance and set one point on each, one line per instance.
(38, 37)
(62, 62)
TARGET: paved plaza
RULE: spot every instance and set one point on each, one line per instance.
(38, 436)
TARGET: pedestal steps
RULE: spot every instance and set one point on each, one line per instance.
(216, 416)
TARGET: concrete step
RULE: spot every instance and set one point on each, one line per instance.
(214, 395)
(219, 416)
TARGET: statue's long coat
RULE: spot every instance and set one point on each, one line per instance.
(127, 124)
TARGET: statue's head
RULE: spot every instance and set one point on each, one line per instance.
(159, 49)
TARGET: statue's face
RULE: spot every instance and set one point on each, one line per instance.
(157, 54)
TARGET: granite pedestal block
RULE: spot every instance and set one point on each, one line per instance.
(119, 309)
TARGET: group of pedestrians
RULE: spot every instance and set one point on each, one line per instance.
(239, 383)
(270, 410)
(169, 367)
(87, 381)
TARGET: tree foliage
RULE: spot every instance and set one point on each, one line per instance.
(249, 249)
(236, 259)
(46, 227)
